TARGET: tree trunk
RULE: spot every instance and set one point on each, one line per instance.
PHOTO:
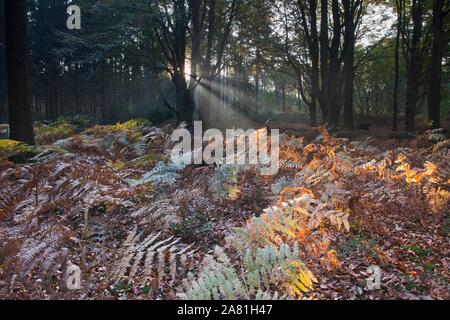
(413, 77)
(399, 4)
(3, 106)
(332, 97)
(195, 59)
(324, 51)
(350, 7)
(315, 72)
(20, 112)
(434, 86)
(185, 103)
(312, 40)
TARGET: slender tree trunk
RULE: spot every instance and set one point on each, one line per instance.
(399, 4)
(196, 58)
(105, 105)
(3, 109)
(314, 48)
(439, 43)
(414, 68)
(324, 53)
(20, 112)
(196, 49)
(312, 40)
(299, 99)
(185, 103)
(257, 80)
(350, 8)
(3, 92)
(256, 90)
(332, 97)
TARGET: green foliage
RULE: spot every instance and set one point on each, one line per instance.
(436, 136)
(127, 139)
(46, 134)
(282, 183)
(7, 144)
(224, 180)
(217, 280)
(194, 225)
(419, 255)
(18, 152)
(77, 120)
(131, 124)
(262, 270)
(120, 288)
(11, 148)
(359, 242)
(150, 159)
(277, 266)
(161, 175)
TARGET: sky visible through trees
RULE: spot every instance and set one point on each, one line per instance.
(256, 53)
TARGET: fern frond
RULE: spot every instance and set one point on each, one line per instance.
(282, 183)
(161, 213)
(217, 280)
(262, 269)
(46, 254)
(224, 178)
(161, 175)
(152, 258)
(268, 296)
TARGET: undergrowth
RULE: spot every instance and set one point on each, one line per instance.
(110, 201)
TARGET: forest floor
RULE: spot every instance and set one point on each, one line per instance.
(108, 200)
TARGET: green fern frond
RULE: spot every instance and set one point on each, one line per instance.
(161, 175)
